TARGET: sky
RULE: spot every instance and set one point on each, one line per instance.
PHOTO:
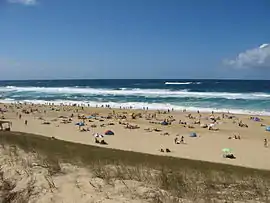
(126, 39)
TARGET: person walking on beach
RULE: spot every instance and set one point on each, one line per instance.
(265, 143)
(25, 122)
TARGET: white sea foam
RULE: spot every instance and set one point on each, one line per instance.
(182, 83)
(178, 83)
(141, 105)
(164, 93)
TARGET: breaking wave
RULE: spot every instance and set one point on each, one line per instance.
(182, 83)
(163, 93)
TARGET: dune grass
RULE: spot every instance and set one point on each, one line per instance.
(181, 179)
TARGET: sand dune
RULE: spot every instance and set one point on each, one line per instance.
(29, 177)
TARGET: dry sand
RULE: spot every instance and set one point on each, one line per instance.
(27, 177)
(249, 151)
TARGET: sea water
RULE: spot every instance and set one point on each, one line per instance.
(236, 96)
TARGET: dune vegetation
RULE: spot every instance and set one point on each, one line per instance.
(163, 179)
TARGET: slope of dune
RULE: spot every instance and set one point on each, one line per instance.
(39, 169)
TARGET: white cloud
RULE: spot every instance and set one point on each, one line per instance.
(24, 2)
(253, 58)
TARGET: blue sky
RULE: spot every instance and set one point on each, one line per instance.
(57, 39)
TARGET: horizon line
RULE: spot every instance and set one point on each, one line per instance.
(64, 79)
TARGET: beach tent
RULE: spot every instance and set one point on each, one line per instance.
(256, 119)
(164, 123)
(267, 128)
(227, 153)
(227, 150)
(3, 110)
(193, 135)
(90, 117)
(109, 132)
(80, 124)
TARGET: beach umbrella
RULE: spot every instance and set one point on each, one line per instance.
(90, 117)
(164, 123)
(256, 119)
(226, 150)
(80, 124)
(193, 134)
(109, 132)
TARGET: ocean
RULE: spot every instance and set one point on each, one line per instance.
(236, 96)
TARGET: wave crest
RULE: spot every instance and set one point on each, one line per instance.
(178, 83)
(182, 83)
(164, 93)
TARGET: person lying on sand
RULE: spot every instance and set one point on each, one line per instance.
(166, 133)
(102, 142)
(197, 122)
(157, 130)
(235, 137)
(229, 156)
(83, 130)
(166, 150)
(182, 122)
(129, 126)
(241, 124)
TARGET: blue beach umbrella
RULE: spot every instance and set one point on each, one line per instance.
(164, 123)
(109, 132)
(267, 128)
(193, 135)
(80, 124)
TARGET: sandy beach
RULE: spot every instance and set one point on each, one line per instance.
(141, 131)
